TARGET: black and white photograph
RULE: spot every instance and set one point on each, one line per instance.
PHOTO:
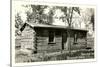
(52, 32)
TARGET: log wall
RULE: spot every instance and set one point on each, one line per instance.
(27, 38)
(38, 39)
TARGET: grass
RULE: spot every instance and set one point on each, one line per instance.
(83, 54)
(71, 56)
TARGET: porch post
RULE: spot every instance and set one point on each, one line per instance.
(86, 39)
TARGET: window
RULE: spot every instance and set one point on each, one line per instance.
(51, 37)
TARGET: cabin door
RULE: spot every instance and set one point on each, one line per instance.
(64, 40)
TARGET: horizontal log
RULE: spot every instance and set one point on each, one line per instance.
(27, 39)
(58, 43)
(42, 40)
(40, 44)
(27, 43)
(41, 37)
(54, 47)
(42, 48)
(58, 40)
(49, 50)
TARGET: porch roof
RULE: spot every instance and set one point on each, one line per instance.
(53, 26)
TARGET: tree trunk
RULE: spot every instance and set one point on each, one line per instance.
(68, 44)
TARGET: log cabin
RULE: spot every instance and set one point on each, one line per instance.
(51, 38)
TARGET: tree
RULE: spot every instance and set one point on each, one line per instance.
(68, 14)
(87, 18)
(18, 23)
(67, 18)
(50, 15)
(92, 20)
(38, 15)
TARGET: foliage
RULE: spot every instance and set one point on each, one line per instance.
(18, 24)
(88, 18)
(68, 14)
(18, 21)
(92, 20)
(38, 15)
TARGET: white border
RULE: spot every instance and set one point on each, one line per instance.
(49, 62)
